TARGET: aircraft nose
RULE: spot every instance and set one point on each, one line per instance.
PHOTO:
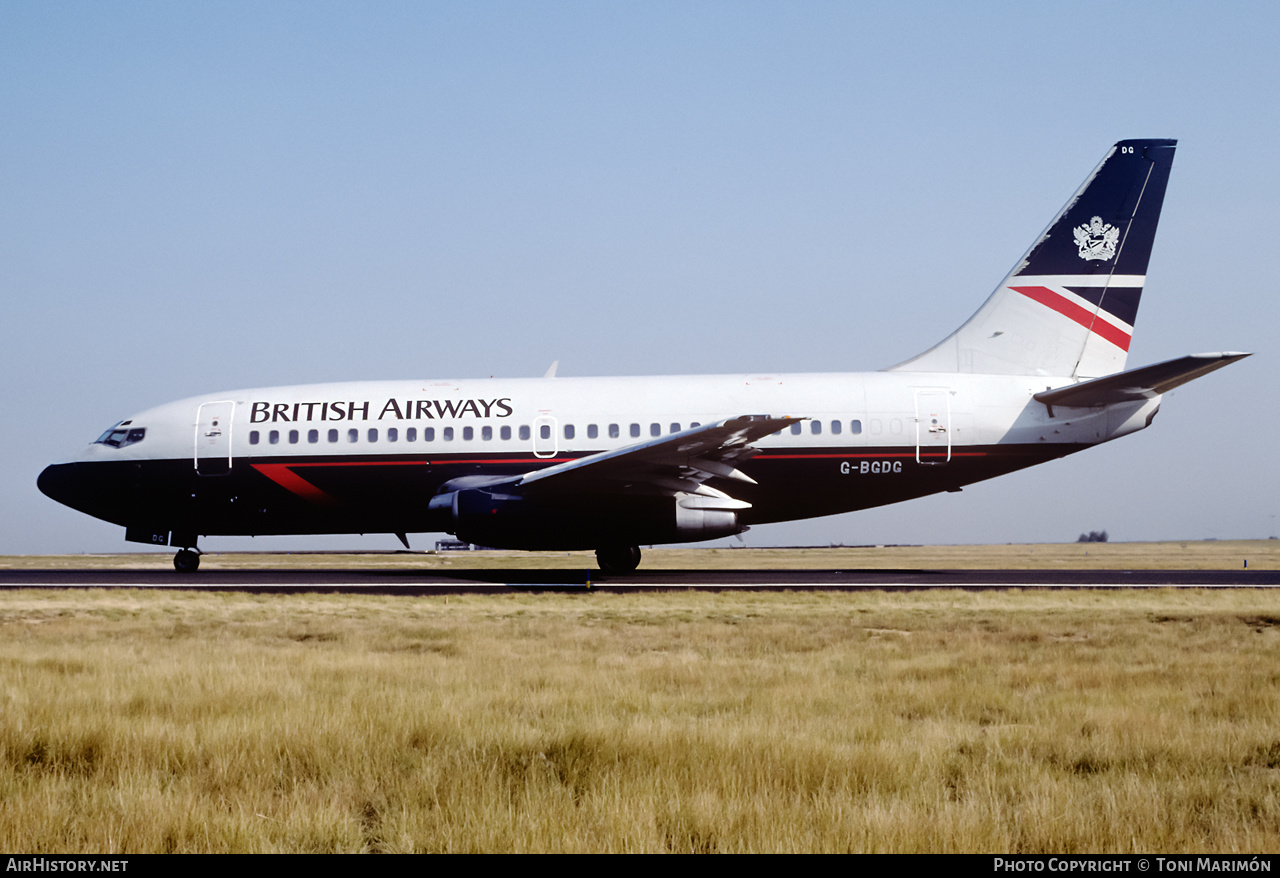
(106, 494)
(58, 482)
(86, 488)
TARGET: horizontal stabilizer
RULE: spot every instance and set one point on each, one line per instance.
(1144, 383)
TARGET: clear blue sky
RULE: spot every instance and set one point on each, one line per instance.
(204, 196)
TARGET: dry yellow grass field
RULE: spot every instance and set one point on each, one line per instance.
(1186, 555)
(151, 720)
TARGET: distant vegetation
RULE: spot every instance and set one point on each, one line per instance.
(1093, 536)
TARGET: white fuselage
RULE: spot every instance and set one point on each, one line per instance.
(370, 456)
(844, 411)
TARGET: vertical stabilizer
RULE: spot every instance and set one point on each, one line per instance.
(1069, 306)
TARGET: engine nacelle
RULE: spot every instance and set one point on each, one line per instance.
(499, 515)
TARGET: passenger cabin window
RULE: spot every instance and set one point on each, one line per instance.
(593, 431)
(568, 431)
(392, 434)
(353, 435)
(274, 437)
(505, 433)
(675, 428)
(613, 431)
(253, 437)
(293, 437)
(373, 434)
(428, 434)
(333, 435)
(855, 427)
(447, 434)
(796, 428)
(635, 431)
(835, 428)
(525, 435)
(815, 427)
(486, 433)
(313, 436)
(468, 433)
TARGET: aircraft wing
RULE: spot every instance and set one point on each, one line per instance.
(680, 462)
(1135, 384)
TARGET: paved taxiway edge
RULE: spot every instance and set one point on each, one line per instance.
(478, 581)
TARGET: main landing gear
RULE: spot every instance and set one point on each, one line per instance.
(618, 559)
(187, 561)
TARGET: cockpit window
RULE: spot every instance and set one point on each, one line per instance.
(122, 434)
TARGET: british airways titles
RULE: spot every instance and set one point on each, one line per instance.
(397, 409)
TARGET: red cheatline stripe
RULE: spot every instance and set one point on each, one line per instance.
(1084, 317)
(417, 462)
(284, 476)
(869, 454)
(291, 481)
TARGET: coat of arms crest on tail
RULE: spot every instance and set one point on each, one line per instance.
(1097, 240)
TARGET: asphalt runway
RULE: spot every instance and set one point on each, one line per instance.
(491, 581)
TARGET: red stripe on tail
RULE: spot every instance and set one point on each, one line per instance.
(1071, 310)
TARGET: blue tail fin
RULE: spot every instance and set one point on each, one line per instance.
(1068, 307)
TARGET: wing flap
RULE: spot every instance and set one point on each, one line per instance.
(676, 464)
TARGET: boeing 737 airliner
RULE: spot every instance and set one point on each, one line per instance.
(613, 463)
